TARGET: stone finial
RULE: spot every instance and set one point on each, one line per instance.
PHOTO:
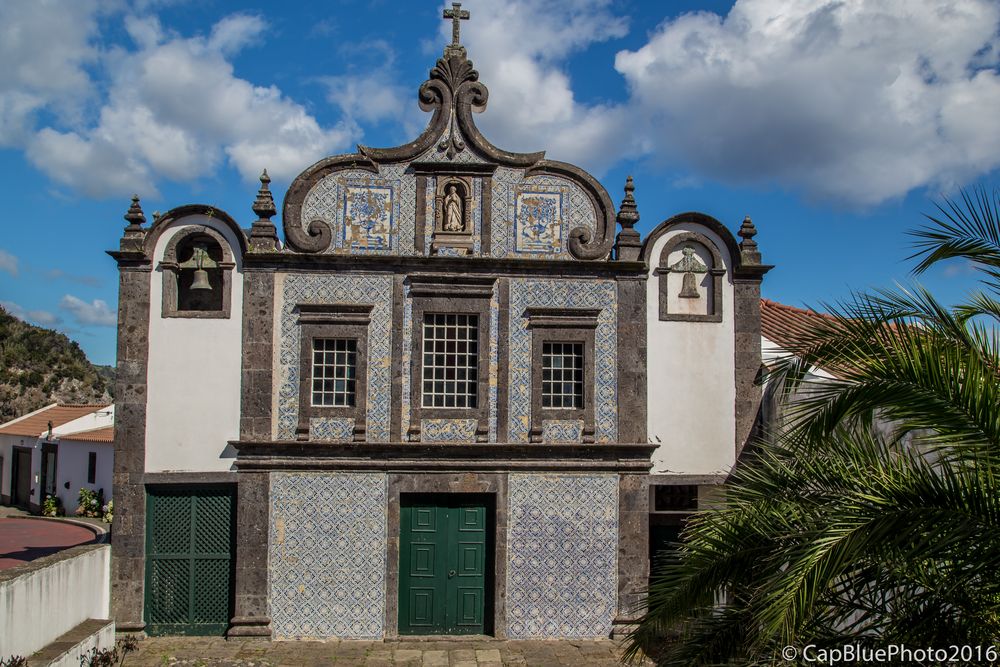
(263, 233)
(135, 217)
(263, 206)
(627, 243)
(748, 247)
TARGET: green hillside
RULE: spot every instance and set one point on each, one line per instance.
(41, 366)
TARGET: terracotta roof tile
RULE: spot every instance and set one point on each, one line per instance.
(105, 434)
(36, 423)
(783, 324)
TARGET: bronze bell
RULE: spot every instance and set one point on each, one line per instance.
(200, 260)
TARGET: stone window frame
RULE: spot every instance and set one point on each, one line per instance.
(562, 325)
(333, 320)
(461, 295)
(170, 268)
(716, 271)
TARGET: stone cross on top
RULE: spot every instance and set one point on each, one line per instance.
(456, 14)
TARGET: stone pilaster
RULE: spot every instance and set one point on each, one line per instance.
(258, 332)
(129, 528)
(252, 616)
(632, 366)
(633, 550)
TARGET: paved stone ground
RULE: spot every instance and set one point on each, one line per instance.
(211, 651)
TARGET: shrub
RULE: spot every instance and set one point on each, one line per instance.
(52, 506)
(90, 503)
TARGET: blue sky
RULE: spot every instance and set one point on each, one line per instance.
(835, 125)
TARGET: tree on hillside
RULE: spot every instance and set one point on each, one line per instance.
(873, 517)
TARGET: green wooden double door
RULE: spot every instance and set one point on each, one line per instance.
(445, 559)
(189, 560)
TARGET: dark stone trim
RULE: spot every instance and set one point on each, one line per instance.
(258, 344)
(18, 571)
(350, 327)
(250, 616)
(696, 218)
(175, 214)
(440, 263)
(716, 271)
(486, 204)
(454, 168)
(171, 275)
(72, 640)
(128, 561)
(747, 353)
(540, 317)
(482, 457)
(334, 313)
(167, 478)
(317, 236)
(461, 240)
(503, 357)
(461, 296)
(494, 484)
(633, 547)
(632, 360)
(396, 386)
(674, 480)
(581, 243)
(420, 215)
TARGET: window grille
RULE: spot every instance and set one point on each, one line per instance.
(562, 375)
(334, 372)
(451, 361)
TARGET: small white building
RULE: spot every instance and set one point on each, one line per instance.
(56, 450)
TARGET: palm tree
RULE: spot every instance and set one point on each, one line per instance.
(873, 516)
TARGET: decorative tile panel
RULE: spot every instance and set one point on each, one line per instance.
(327, 555)
(367, 217)
(562, 545)
(538, 223)
(508, 186)
(601, 294)
(338, 288)
(562, 430)
(358, 220)
(448, 430)
(331, 429)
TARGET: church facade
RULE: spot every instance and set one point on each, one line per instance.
(462, 397)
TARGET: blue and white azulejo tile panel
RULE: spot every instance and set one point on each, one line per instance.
(368, 214)
(448, 430)
(602, 294)
(562, 430)
(562, 546)
(339, 429)
(327, 555)
(538, 223)
(362, 289)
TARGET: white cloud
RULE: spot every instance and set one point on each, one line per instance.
(41, 317)
(374, 95)
(45, 47)
(176, 110)
(95, 313)
(854, 100)
(8, 263)
(519, 48)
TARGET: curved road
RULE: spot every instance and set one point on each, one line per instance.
(24, 540)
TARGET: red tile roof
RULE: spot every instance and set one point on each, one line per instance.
(36, 423)
(783, 324)
(105, 434)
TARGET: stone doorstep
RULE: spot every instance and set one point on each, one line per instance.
(67, 648)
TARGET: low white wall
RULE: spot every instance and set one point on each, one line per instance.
(51, 596)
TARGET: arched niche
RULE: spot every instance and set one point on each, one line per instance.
(690, 275)
(194, 250)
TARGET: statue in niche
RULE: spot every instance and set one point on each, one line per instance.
(689, 265)
(453, 219)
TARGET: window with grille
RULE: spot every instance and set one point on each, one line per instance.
(451, 361)
(562, 375)
(334, 372)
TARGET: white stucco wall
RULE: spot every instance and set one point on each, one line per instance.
(71, 467)
(193, 390)
(691, 378)
(43, 603)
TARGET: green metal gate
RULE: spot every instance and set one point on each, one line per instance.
(189, 560)
(444, 562)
